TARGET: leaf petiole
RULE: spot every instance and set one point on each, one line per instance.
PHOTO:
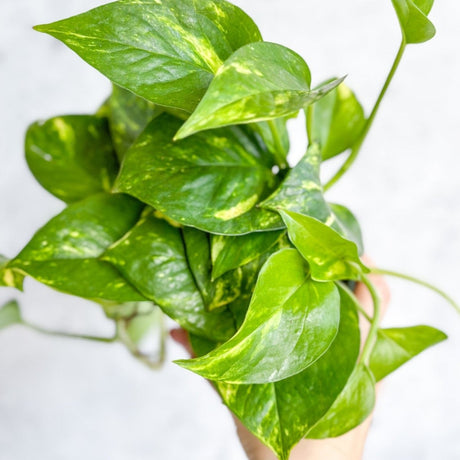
(278, 153)
(449, 299)
(372, 336)
(357, 146)
(69, 335)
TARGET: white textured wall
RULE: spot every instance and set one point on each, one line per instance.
(69, 400)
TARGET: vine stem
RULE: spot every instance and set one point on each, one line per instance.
(357, 146)
(372, 336)
(445, 296)
(278, 153)
(69, 335)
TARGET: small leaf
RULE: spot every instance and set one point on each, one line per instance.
(261, 81)
(218, 292)
(72, 156)
(211, 182)
(330, 256)
(230, 252)
(350, 409)
(128, 115)
(281, 413)
(290, 323)
(10, 314)
(64, 253)
(412, 15)
(152, 257)
(163, 50)
(349, 225)
(335, 122)
(394, 347)
(9, 277)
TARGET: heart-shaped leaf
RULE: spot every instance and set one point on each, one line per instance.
(335, 122)
(64, 254)
(261, 81)
(189, 180)
(330, 256)
(166, 51)
(349, 225)
(152, 257)
(412, 15)
(291, 321)
(350, 409)
(396, 346)
(10, 314)
(281, 413)
(72, 156)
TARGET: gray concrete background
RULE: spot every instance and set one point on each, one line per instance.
(70, 400)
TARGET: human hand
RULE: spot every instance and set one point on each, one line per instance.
(349, 446)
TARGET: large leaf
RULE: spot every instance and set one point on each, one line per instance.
(128, 116)
(394, 347)
(330, 256)
(64, 253)
(261, 81)
(9, 277)
(218, 292)
(291, 321)
(281, 413)
(211, 182)
(152, 257)
(230, 252)
(350, 409)
(10, 314)
(412, 15)
(163, 50)
(335, 122)
(72, 156)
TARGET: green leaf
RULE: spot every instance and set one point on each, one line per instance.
(72, 156)
(349, 225)
(166, 51)
(335, 122)
(301, 190)
(394, 347)
(128, 116)
(9, 277)
(330, 256)
(350, 409)
(152, 257)
(412, 15)
(10, 314)
(218, 292)
(281, 413)
(211, 182)
(291, 321)
(261, 81)
(230, 252)
(64, 254)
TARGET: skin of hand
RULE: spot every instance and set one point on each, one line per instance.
(349, 446)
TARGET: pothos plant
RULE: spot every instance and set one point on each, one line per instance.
(181, 201)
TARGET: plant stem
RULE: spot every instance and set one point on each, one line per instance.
(372, 336)
(449, 299)
(356, 301)
(278, 153)
(358, 144)
(70, 335)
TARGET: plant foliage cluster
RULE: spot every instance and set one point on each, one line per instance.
(181, 201)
